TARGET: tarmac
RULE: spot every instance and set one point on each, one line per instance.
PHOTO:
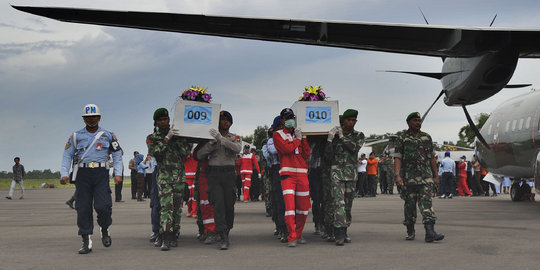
(40, 232)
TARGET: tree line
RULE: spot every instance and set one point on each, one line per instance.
(34, 174)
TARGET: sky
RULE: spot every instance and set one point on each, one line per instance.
(49, 70)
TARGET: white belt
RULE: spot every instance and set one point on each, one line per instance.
(92, 165)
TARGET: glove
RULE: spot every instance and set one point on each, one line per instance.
(340, 132)
(214, 133)
(171, 133)
(332, 134)
(298, 133)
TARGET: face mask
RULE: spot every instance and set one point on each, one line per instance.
(289, 123)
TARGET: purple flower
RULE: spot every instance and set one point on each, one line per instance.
(206, 97)
(313, 98)
(322, 94)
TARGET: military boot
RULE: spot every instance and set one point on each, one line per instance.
(154, 236)
(210, 238)
(339, 234)
(347, 238)
(86, 244)
(330, 234)
(105, 237)
(165, 241)
(431, 235)
(159, 240)
(284, 235)
(173, 240)
(410, 232)
(224, 241)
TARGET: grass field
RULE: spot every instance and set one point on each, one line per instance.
(36, 183)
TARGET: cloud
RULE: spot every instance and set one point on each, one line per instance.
(28, 29)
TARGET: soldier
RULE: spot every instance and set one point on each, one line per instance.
(343, 151)
(170, 152)
(91, 146)
(416, 173)
(387, 174)
(221, 153)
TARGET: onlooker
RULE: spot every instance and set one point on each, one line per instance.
(18, 175)
(362, 176)
(463, 189)
(147, 186)
(447, 172)
(477, 186)
(133, 168)
(372, 163)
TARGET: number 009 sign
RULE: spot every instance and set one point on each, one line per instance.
(198, 114)
(318, 115)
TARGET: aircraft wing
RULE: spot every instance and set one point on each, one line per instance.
(440, 41)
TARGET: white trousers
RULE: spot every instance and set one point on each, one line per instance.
(13, 183)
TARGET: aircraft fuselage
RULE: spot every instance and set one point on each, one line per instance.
(512, 132)
(474, 79)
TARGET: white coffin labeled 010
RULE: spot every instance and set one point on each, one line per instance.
(316, 117)
(195, 119)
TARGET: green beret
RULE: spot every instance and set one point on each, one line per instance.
(341, 118)
(350, 113)
(413, 115)
(161, 112)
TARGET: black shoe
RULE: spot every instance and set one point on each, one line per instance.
(317, 231)
(224, 241)
(165, 241)
(105, 237)
(87, 245)
(9, 198)
(153, 237)
(410, 232)
(119, 201)
(431, 235)
(69, 203)
(330, 234)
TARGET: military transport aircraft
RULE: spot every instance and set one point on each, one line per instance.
(477, 62)
(513, 132)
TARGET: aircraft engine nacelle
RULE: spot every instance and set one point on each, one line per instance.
(537, 174)
(471, 80)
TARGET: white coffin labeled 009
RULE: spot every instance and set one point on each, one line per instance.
(195, 119)
(316, 117)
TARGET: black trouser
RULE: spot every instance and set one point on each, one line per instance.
(279, 201)
(221, 184)
(118, 189)
(372, 184)
(238, 186)
(155, 214)
(147, 185)
(133, 184)
(315, 187)
(447, 183)
(255, 189)
(92, 189)
(361, 184)
(384, 182)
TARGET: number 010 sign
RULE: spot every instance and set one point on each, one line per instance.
(318, 115)
(198, 114)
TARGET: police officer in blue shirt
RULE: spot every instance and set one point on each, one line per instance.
(91, 146)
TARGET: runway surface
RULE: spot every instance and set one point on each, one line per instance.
(40, 232)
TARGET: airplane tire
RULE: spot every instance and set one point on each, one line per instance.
(515, 192)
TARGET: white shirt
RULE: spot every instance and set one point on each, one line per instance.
(362, 166)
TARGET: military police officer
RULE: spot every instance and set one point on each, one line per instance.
(91, 146)
(416, 173)
(343, 150)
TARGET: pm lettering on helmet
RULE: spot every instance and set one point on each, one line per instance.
(90, 109)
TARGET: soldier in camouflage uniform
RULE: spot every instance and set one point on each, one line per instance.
(386, 169)
(267, 182)
(343, 150)
(416, 174)
(170, 152)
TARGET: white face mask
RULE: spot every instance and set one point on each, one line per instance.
(290, 123)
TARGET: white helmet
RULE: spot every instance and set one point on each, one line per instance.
(91, 110)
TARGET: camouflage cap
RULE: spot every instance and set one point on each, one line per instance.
(413, 115)
(161, 112)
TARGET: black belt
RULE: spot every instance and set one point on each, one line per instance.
(220, 168)
(92, 165)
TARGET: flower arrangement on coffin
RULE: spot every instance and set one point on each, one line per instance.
(313, 93)
(197, 94)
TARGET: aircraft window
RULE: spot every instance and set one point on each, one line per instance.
(528, 123)
(520, 126)
(514, 124)
(507, 126)
(489, 130)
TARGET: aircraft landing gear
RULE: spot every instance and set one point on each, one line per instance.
(517, 192)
